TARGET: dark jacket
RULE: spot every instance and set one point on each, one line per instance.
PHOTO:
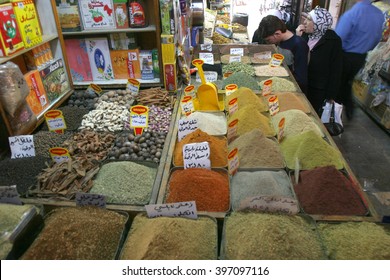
(325, 68)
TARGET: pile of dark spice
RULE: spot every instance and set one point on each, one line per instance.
(327, 191)
(208, 188)
(171, 238)
(44, 140)
(78, 233)
(22, 172)
(73, 116)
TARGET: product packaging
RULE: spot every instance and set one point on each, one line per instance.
(125, 64)
(122, 41)
(54, 80)
(121, 14)
(78, 60)
(137, 14)
(10, 38)
(99, 59)
(38, 57)
(97, 14)
(37, 98)
(69, 15)
(167, 17)
(146, 65)
(134, 67)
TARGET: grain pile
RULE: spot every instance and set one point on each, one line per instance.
(241, 80)
(280, 84)
(246, 96)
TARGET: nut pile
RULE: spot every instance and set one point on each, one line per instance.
(83, 99)
(120, 97)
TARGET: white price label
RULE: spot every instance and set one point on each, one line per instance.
(207, 58)
(56, 124)
(237, 51)
(210, 76)
(186, 126)
(234, 58)
(90, 199)
(206, 47)
(180, 209)
(276, 204)
(22, 146)
(197, 155)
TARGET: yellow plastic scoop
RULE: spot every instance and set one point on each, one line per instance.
(207, 93)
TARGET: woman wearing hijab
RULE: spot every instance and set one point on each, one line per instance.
(325, 62)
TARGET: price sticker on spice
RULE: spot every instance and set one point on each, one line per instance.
(187, 105)
(207, 57)
(90, 199)
(230, 88)
(139, 116)
(210, 76)
(185, 209)
(273, 105)
(234, 58)
(94, 89)
(55, 121)
(281, 124)
(277, 60)
(22, 146)
(190, 91)
(10, 195)
(133, 85)
(227, 74)
(267, 87)
(233, 105)
(186, 126)
(273, 204)
(59, 154)
(233, 161)
(206, 47)
(232, 130)
(237, 51)
(197, 155)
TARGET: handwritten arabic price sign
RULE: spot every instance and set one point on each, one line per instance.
(273, 105)
(234, 58)
(179, 209)
(210, 76)
(207, 57)
(187, 105)
(206, 47)
(233, 105)
(133, 85)
(59, 155)
(267, 88)
(197, 155)
(237, 51)
(22, 146)
(55, 120)
(273, 204)
(185, 127)
(281, 124)
(139, 118)
(9, 195)
(233, 161)
(232, 130)
(90, 199)
(190, 91)
(277, 60)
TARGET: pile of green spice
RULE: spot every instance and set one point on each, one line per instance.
(78, 233)
(292, 100)
(311, 150)
(356, 241)
(257, 151)
(296, 122)
(208, 188)
(249, 118)
(280, 84)
(260, 236)
(241, 80)
(212, 123)
(125, 182)
(327, 191)
(12, 216)
(246, 96)
(259, 183)
(239, 67)
(171, 238)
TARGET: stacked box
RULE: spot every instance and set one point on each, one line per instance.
(78, 60)
(121, 14)
(10, 38)
(99, 59)
(69, 15)
(97, 14)
(37, 98)
(38, 56)
(54, 80)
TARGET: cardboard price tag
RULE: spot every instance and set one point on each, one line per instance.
(232, 130)
(281, 124)
(207, 57)
(94, 89)
(197, 155)
(190, 91)
(277, 60)
(179, 209)
(273, 204)
(267, 88)
(133, 85)
(59, 155)
(230, 88)
(233, 106)
(90, 199)
(186, 126)
(233, 161)
(22, 146)
(273, 105)
(55, 120)
(187, 105)
(139, 116)
(9, 195)
(237, 51)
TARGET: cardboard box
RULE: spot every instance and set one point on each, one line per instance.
(78, 60)
(146, 65)
(38, 56)
(69, 15)
(133, 64)
(97, 14)
(54, 80)
(37, 98)
(10, 38)
(28, 22)
(121, 14)
(125, 64)
(170, 77)
(99, 59)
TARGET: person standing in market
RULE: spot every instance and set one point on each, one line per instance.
(360, 30)
(326, 57)
(294, 49)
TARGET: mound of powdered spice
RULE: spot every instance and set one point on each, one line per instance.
(356, 241)
(311, 150)
(241, 79)
(327, 191)
(211, 123)
(171, 238)
(261, 236)
(245, 96)
(125, 182)
(280, 84)
(296, 122)
(249, 118)
(218, 148)
(257, 151)
(78, 233)
(259, 183)
(292, 100)
(208, 188)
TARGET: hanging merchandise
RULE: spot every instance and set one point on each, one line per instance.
(137, 14)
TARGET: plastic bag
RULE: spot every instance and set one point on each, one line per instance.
(331, 117)
(13, 87)
(24, 121)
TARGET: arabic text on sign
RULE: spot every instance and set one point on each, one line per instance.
(22, 146)
(237, 51)
(207, 58)
(90, 199)
(138, 120)
(186, 126)
(55, 124)
(234, 58)
(196, 155)
(179, 209)
(210, 76)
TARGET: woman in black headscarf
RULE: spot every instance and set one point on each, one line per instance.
(325, 62)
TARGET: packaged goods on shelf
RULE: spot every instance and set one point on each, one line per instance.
(69, 15)
(99, 59)
(54, 80)
(121, 13)
(123, 41)
(10, 37)
(37, 98)
(97, 14)
(28, 22)
(137, 14)
(125, 64)
(78, 60)
(38, 57)
(134, 64)
(146, 64)
(167, 17)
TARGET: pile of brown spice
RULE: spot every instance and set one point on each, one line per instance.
(208, 188)
(171, 238)
(218, 148)
(292, 100)
(78, 233)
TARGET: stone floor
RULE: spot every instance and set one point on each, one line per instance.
(366, 147)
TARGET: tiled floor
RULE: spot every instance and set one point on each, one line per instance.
(366, 147)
